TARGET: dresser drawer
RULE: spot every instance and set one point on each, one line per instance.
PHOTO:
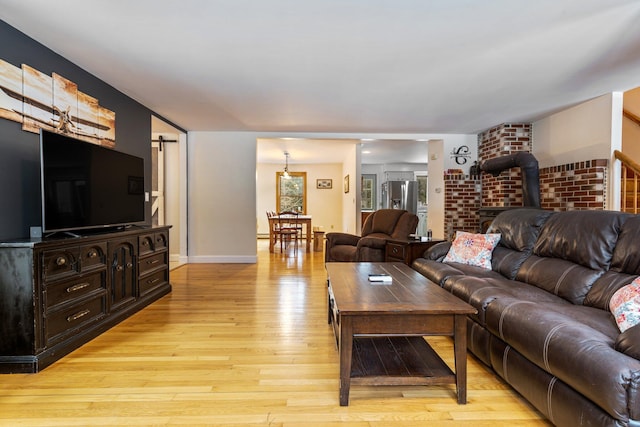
(152, 262)
(60, 263)
(396, 251)
(152, 242)
(160, 241)
(61, 323)
(93, 257)
(145, 244)
(149, 283)
(71, 290)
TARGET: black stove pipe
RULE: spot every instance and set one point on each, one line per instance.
(530, 174)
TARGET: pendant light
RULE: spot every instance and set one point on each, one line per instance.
(286, 175)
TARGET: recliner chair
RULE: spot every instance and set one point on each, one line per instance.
(380, 226)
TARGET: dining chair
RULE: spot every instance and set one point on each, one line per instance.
(289, 228)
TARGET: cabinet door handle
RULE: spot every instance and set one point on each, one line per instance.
(119, 268)
(92, 254)
(77, 287)
(395, 250)
(153, 261)
(149, 282)
(129, 265)
(78, 315)
(60, 261)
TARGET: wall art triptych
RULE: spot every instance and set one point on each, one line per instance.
(53, 103)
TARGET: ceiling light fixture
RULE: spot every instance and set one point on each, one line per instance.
(286, 175)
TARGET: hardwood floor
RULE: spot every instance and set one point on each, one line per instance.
(239, 344)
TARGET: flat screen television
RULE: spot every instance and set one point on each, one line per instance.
(86, 186)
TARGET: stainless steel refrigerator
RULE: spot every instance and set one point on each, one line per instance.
(400, 195)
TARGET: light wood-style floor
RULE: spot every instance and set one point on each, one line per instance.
(233, 345)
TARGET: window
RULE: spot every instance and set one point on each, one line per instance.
(368, 194)
(422, 190)
(291, 193)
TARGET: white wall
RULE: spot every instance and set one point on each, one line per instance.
(324, 205)
(441, 158)
(588, 131)
(454, 143)
(351, 221)
(582, 132)
(222, 200)
(222, 197)
(435, 190)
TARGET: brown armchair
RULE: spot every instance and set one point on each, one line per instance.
(379, 227)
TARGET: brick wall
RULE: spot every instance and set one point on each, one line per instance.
(574, 186)
(506, 188)
(461, 201)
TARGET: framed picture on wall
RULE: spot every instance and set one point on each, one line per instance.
(324, 184)
(346, 184)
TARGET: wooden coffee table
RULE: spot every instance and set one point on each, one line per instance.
(379, 327)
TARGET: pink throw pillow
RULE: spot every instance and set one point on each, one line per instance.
(625, 305)
(472, 249)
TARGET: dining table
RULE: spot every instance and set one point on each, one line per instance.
(305, 220)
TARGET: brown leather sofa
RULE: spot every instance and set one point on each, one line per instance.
(543, 321)
(380, 226)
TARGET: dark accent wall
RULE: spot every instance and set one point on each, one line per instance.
(20, 205)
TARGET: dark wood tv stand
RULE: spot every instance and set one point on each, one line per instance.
(59, 293)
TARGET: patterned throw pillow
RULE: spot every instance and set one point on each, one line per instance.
(472, 249)
(625, 305)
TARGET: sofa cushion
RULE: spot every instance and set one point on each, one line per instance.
(480, 291)
(626, 256)
(519, 228)
(625, 305)
(587, 238)
(566, 279)
(472, 249)
(603, 289)
(439, 272)
(628, 342)
(438, 251)
(573, 343)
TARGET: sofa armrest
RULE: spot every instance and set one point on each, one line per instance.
(372, 242)
(628, 342)
(341, 239)
(438, 251)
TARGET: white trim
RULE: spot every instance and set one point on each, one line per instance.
(221, 259)
(178, 258)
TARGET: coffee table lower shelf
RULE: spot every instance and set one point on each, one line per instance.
(397, 361)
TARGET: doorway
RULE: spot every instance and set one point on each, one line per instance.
(169, 186)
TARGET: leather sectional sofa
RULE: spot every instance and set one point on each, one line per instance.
(543, 321)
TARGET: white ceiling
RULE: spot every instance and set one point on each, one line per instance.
(345, 66)
(314, 150)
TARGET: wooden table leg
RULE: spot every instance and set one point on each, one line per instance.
(308, 226)
(346, 348)
(460, 352)
(272, 237)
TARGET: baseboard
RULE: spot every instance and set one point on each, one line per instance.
(222, 259)
(178, 258)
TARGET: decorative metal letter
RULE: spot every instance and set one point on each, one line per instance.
(461, 154)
